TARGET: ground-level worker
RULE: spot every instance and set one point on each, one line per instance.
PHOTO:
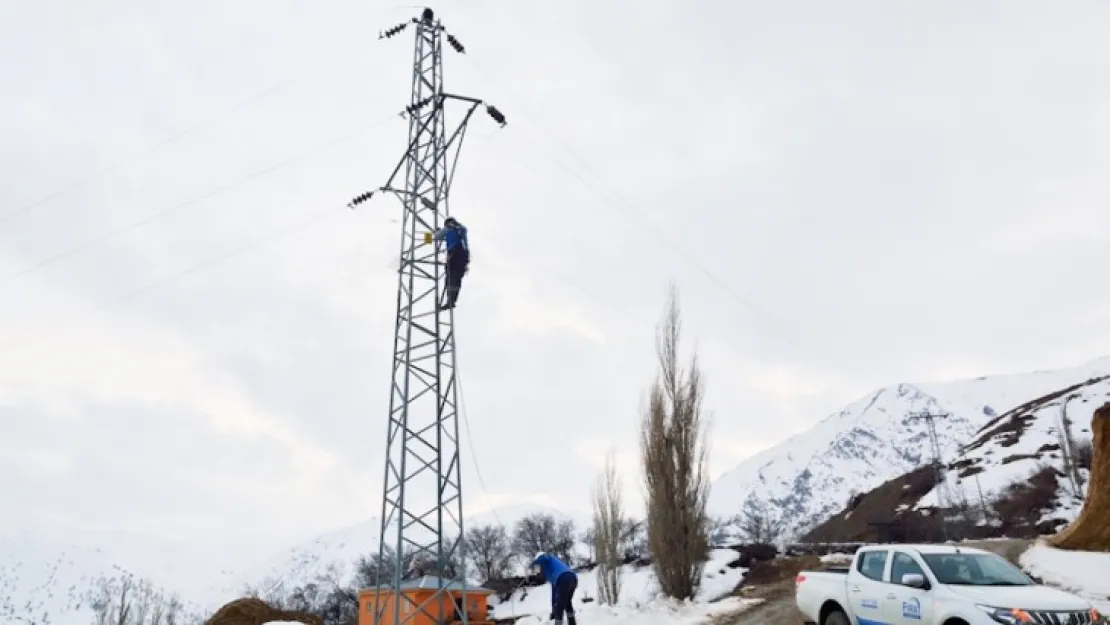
(563, 580)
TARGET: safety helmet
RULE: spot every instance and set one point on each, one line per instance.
(539, 555)
(450, 221)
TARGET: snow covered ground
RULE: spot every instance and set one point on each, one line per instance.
(640, 601)
(1086, 573)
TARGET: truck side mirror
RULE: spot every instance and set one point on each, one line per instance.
(913, 580)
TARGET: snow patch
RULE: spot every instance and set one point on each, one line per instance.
(640, 600)
(1081, 572)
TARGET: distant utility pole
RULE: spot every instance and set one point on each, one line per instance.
(422, 511)
(943, 500)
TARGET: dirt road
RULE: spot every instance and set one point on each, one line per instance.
(779, 609)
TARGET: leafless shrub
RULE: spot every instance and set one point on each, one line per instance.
(608, 531)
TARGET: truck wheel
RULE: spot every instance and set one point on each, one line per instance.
(836, 618)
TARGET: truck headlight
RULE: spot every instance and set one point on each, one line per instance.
(1007, 616)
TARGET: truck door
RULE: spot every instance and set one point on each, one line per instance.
(907, 605)
(866, 590)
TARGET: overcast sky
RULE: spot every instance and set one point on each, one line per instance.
(846, 196)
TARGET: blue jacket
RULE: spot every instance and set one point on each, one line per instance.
(552, 568)
(454, 237)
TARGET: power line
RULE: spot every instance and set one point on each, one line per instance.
(112, 234)
(614, 201)
(294, 227)
(474, 454)
(174, 137)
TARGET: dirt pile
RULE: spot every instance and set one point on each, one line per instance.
(779, 570)
(1091, 531)
(883, 509)
(254, 611)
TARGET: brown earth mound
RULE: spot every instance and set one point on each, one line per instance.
(1091, 531)
(780, 570)
(884, 507)
(254, 611)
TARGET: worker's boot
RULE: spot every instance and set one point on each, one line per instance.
(570, 620)
(449, 300)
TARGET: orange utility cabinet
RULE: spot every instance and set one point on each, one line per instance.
(419, 591)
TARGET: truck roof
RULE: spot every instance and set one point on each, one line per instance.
(928, 549)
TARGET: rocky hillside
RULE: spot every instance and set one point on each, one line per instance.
(812, 476)
(1023, 472)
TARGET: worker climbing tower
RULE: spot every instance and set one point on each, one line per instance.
(422, 512)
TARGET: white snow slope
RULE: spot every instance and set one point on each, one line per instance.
(811, 476)
(1015, 445)
(51, 583)
(1081, 572)
(640, 600)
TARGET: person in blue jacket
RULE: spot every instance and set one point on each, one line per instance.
(563, 580)
(453, 236)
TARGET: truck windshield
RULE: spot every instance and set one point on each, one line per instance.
(975, 569)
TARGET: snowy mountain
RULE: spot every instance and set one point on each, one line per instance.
(49, 583)
(811, 476)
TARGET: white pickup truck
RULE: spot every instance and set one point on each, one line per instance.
(934, 585)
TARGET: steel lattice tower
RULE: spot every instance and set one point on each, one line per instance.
(422, 512)
(944, 500)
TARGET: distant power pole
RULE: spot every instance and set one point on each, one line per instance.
(943, 500)
(422, 510)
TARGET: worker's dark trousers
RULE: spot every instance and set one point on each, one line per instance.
(564, 592)
(457, 261)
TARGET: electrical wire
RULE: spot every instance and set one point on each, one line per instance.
(296, 226)
(112, 234)
(470, 442)
(612, 200)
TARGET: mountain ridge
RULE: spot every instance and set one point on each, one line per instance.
(812, 475)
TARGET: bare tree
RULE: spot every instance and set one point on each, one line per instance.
(1084, 454)
(589, 538)
(123, 607)
(157, 611)
(608, 530)
(490, 551)
(542, 532)
(173, 610)
(102, 603)
(634, 539)
(1067, 450)
(144, 598)
(675, 460)
(759, 526)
